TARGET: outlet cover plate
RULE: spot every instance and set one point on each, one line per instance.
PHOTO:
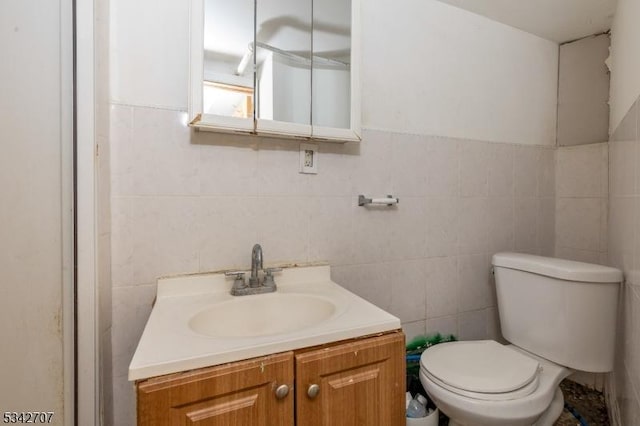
(308, 158)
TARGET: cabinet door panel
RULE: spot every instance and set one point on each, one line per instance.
(241, 393)
(240, 408)
(362, 383)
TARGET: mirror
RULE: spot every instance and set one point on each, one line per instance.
(331, 95)
(283, 60)
(274, 67)
(228, 33)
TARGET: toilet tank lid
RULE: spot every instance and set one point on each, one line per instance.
(558, 268)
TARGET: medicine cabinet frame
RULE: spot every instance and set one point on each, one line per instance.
(262, 127)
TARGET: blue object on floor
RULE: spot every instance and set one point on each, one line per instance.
(575, 414)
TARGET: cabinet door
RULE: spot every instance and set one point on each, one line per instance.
(360, 383)
(240, 393)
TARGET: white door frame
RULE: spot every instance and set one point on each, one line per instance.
(67, 195)
(88, 354)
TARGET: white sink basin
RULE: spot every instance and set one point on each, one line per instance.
(262, 315)
(196, 322)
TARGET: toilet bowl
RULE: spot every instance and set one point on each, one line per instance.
(558, 315)
(485, 383)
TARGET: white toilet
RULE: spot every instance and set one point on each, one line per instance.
(559, 316)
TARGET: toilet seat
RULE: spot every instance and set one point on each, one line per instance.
(523, 411)
(506, 396)
(483, 370)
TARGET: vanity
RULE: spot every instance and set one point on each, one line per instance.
(310, 353)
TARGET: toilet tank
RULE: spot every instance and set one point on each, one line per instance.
(561, 310)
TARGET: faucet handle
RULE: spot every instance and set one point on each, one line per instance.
(268, 278)
(239, 283)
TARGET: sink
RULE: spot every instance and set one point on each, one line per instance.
(196, 322)
(262, 315)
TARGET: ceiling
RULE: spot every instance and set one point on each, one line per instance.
(556, 20)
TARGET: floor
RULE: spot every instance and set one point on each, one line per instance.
(587, 402)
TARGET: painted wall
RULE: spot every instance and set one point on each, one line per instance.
(423, 59)
(33, 98)
(625, 60)
(583, 91)
(458, 74)
(469, 185)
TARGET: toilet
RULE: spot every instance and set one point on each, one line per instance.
(558, 316)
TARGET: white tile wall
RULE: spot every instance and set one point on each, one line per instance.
(474, 171)
(184, 202)
(473, 283)
(408, 290)
(579, 223)
(330, 213)
(283, 228)
(409, 174)
(624, 253)
(500, 173)
(224, 246)
(527, 166)
(582, 202)
(547, 174)
(442, 226)
(472, 325)
(236, 170)
(582, 171)
(546, 222)
(442, 282)
(131, 308)
(444, 325)
(501, 224)
(442, 167)
(409, 229)
(526, 224)
(413, 329)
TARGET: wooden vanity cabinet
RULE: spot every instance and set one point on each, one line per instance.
(359, 383)
(240, 393)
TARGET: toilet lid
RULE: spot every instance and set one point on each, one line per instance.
(482, 366)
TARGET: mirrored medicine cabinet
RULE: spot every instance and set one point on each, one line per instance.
(276, 68)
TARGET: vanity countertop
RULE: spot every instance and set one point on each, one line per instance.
(169, 343)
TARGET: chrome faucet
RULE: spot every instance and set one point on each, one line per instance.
(255, 285)
(256, 265)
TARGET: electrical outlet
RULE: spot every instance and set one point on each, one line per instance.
(308, 158)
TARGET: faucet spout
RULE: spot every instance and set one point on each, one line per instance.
(256, 284)
(256, 265)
